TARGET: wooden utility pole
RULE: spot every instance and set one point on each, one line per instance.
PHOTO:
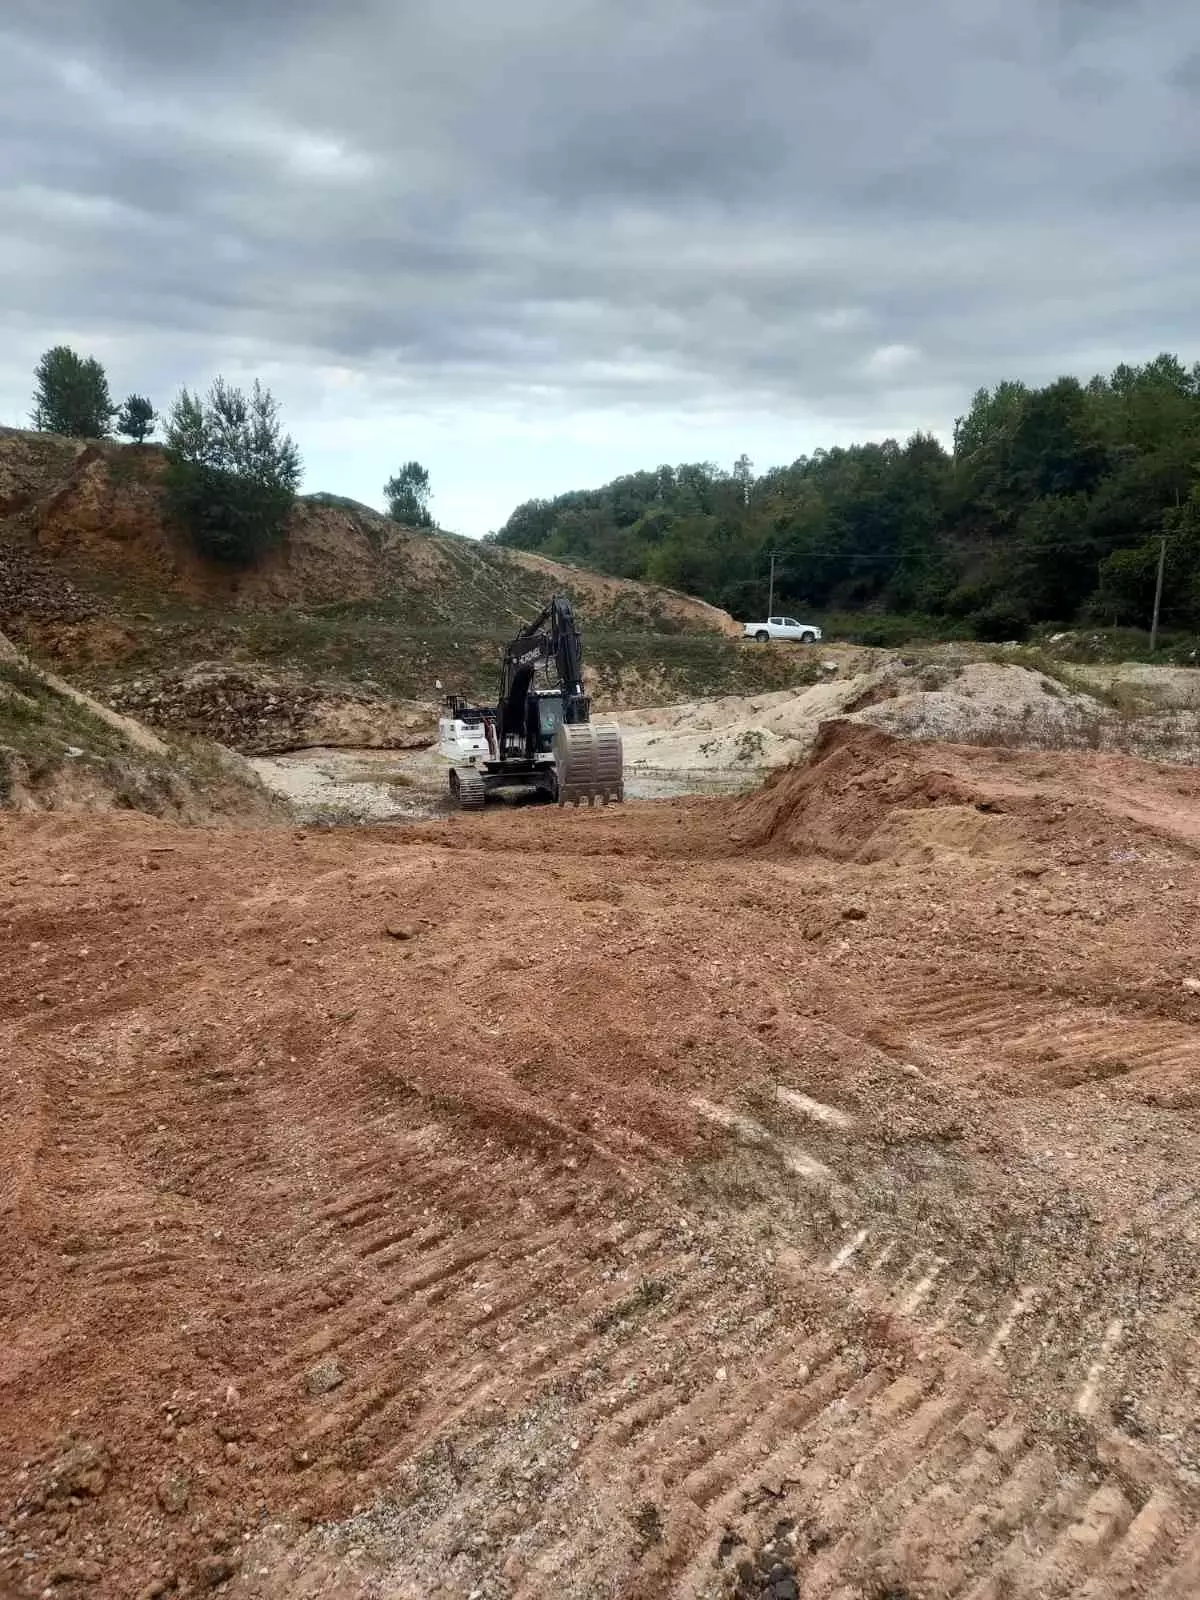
(1158, 588)
(771, 590)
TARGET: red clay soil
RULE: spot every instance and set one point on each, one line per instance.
(704, 1199)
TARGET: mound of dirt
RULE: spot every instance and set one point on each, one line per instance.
(1000, 705)
(982, 702)
(96, 508)
(834, 805)
(622, 600)
(1141, 686)
(753, 731)
(865, 795)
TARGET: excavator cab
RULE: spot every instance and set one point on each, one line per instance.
(547, 713)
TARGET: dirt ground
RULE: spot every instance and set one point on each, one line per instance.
(789, 1195)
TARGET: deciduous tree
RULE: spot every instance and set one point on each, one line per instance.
(71, 395)
(233, 472)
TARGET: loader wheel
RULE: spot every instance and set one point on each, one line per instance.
(762, 636)
(466, 788)
(589, 762)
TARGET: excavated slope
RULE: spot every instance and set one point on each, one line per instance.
(95, 511)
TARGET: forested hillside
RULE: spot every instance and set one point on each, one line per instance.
(1049, 508)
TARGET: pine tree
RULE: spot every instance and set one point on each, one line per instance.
(407, 495)
(136, 418)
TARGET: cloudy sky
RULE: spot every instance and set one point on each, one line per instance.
(535, 243)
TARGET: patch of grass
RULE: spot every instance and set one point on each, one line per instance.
(891, 630)
(649, 1292)
(405, 655)
(1097, 645)
(648, 1524)
(17, 676)
(34, 718)
(39, 728)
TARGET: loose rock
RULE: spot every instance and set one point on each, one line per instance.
(324, 1378)
(173, 1494)
(76, 1572)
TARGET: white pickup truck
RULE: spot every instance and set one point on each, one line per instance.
(782, 628)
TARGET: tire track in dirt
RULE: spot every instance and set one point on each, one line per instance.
(1050, 1046)
(882, 1457)
(884, 1460)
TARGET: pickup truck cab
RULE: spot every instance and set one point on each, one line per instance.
(782, 628)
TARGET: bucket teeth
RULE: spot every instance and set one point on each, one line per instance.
(589, 762)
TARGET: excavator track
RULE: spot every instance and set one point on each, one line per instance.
(589, 762)
(467, 788)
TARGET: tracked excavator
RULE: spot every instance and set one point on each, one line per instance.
(538, 736)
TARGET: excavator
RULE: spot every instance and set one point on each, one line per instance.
(538, 738)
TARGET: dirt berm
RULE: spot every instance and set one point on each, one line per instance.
(855, 780)
(866, 795)
(96, 510)
(97, 580)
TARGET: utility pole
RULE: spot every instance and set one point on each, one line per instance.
(771, 591)
(1158, 588)
(1158, 584)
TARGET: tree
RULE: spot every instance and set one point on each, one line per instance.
(1055, 447)
(136, 418)
(407, 496)
(233, 472)
(72, 395)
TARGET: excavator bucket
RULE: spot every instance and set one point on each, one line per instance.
(589, 762)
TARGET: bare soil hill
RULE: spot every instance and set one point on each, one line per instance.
(791, 1197)
(352, 608)
(96, 509)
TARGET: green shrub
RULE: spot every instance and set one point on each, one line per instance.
(1001, 621)
(231, 519)
(233, 473)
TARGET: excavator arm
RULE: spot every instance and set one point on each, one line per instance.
(543, 738)
(551, 637)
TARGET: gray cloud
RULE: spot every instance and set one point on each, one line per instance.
(862, 210)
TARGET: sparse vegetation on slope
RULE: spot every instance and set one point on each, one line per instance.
(60, 751)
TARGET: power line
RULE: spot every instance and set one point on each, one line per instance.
(921, 555)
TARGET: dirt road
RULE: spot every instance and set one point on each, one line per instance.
(792, 1195)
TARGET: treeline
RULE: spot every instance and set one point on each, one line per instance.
(1050, 507)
